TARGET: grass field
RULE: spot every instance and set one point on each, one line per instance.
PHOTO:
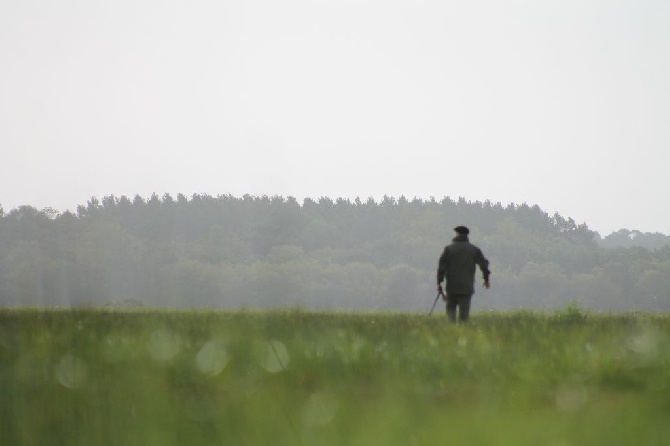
(153, 377)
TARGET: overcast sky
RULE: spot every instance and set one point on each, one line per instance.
(564, 104)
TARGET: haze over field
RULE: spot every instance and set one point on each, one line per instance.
(560, 104)
(270, 252)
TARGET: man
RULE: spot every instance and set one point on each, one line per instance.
(457, 265)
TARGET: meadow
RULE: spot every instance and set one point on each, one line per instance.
(294, 377)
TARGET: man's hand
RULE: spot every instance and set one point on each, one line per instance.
(440, 292)
(487, 285)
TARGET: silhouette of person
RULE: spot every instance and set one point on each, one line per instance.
(457, 266)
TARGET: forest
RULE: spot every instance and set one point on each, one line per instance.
(275, 252)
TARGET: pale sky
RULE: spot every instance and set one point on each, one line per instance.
(564, 104)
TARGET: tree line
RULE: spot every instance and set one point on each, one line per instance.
(260, 252)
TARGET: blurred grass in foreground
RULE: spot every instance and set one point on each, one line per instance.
(154, 377)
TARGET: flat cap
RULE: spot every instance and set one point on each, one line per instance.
(462, 230)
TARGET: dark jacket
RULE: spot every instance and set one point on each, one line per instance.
(458, 264)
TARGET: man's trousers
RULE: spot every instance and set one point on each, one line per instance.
(460, 301)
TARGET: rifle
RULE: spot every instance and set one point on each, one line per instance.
(439, 293)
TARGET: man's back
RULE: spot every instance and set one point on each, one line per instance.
(458, 265)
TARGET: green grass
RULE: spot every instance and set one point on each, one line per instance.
(154, 377)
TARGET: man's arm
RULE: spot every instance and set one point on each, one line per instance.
(484, 266)
(442, 267)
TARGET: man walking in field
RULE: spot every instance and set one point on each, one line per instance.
(457, 266)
